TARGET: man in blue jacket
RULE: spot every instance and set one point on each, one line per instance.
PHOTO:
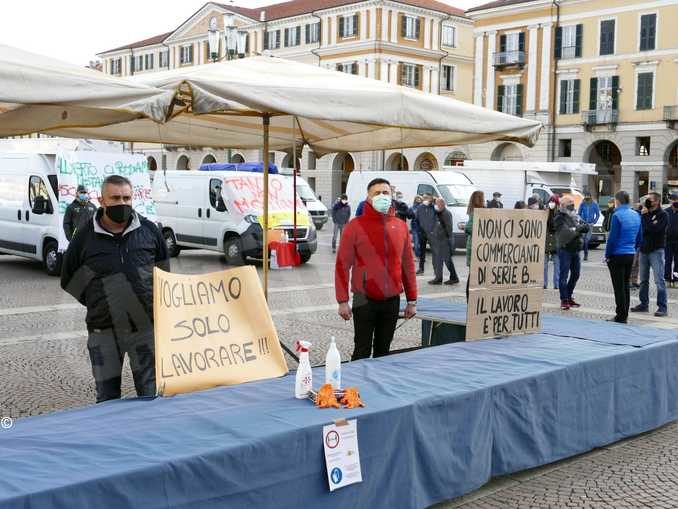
(589, 213)
(623, 241)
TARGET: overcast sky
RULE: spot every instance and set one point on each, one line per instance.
(75, 30)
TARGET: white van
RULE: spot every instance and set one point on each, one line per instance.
(314, 206)
(454, 187)
(36, 187)
(221, 211)
(29, 209)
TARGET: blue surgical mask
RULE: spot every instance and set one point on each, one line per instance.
(83, 197)
(381, 203)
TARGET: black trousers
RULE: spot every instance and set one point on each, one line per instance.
(423, 240)
(374, 324)
(620, 272)
(442, 254)
(107, 349)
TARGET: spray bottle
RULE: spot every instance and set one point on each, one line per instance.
(333, 366)
(304, 380)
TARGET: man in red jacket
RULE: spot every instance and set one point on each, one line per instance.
(376, 249)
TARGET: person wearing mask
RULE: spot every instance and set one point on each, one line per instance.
(622, 244)
(551, 250)
(671, 251)
(375, 253)
(426, 219)
(441, 245)
(589, 212)
(520, 205)
(569, 231)
(476, 201)
(108, 267)
(414, 226)
(495, 202)
(607, 214)
(402, 210)
(79, 211)
(341, 214)
(533, 202)
(654, 221)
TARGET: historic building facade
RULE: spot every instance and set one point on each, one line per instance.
(423, 44)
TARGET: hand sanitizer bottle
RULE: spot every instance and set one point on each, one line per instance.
(304, 380)
(333, 366)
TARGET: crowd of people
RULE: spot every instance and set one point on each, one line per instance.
(379, 251)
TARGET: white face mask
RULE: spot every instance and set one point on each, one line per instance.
(426, 202)
(440, 209)
(552, 205)
(344, 202)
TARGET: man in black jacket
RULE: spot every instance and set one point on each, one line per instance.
(79, 211)
(341, 214)
(426, 219)
(108, 268)
(569, 230)
(653, 222)
(441, 245)
(671, 251)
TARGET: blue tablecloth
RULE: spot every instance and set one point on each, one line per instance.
(445, 310)
(438, 423)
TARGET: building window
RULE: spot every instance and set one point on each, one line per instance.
(410, 75)
(447, 78)
(186, 54)
(138, 63)
(510, 99)
(148, 61)
(511, 49)
(645, 91)
(116, 66)
(569, 41)
(350, 68)
(643, 146)
(348, 26)
(648, 31)
(565, 148)
(313, 33)
(569, 96)
(449, 36)
(410, 27)
(164, 58)
(272, 40)
(607, 28)
(292, 36)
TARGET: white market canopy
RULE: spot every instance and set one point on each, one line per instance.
(221, 105)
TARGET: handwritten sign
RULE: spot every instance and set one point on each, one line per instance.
(245, 194)
(212, 329)
(90, 168)
(506, 277)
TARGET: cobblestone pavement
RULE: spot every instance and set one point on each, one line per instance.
(44, 367)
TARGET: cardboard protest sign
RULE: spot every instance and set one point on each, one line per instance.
(90, 168)
(245, 194)
(212, 329)
(506, 277)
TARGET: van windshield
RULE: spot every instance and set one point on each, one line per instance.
(455, 195)
(305, 192)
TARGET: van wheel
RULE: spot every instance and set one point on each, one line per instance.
(305, 257)
(171, 242)
(233, 251)
(51, 259)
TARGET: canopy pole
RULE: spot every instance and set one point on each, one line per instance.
(267, 124)
(294, 179)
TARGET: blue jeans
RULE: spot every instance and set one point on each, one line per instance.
(552, 257)
(415, 241)
(587, 239)
(570, 264)
(655, 259)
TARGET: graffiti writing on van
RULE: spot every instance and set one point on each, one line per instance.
(246, 193)
(142, 199)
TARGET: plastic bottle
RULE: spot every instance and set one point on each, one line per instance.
(333, 366)
(304, 380)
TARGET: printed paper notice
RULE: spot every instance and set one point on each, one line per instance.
(341, 454)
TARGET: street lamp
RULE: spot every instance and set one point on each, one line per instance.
(235, 39)
(213, 39)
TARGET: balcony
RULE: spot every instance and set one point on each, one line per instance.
(567, 52)
(600, 117)
(506, 58)
(671, 116)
